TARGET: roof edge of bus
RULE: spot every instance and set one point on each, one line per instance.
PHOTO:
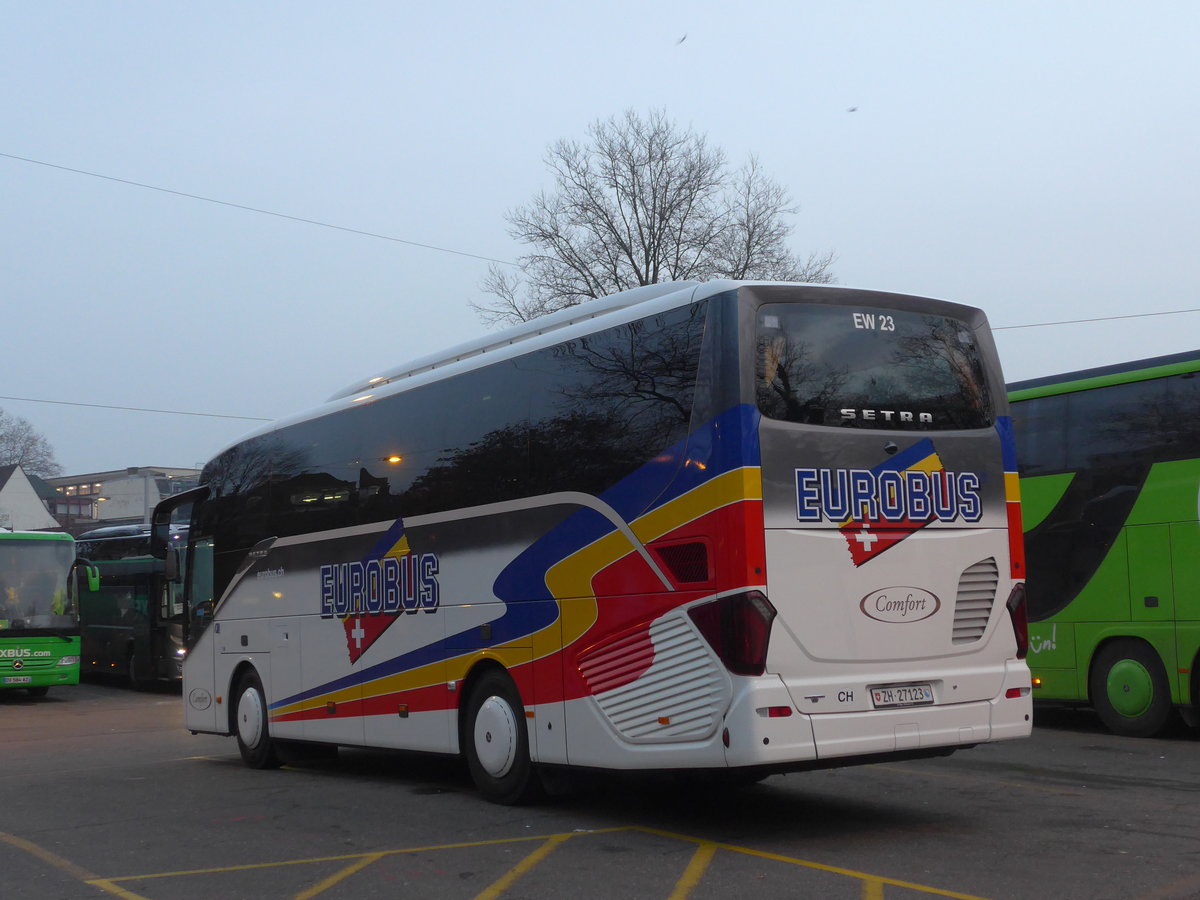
(543, 324)
(1151, 367)
(604, 307)
(565, 318)
(36, 535)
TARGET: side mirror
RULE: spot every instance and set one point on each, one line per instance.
(160, 520)
(92, 573)
(171, 565)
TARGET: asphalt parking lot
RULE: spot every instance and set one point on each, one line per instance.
(103, 793)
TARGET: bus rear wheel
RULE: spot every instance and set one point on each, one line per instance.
(496, 742)
(252, 726)
(133, 670)
(1129, 689)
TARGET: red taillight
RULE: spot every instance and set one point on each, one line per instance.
(738, 628)
(1020, 618)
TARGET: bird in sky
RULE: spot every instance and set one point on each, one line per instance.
(681, 40)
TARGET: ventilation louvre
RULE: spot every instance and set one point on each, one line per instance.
(659, 687)
(976, 596)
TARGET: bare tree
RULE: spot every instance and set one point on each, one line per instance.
(643, 201)
(21, 444)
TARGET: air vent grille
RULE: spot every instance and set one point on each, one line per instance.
(667, 688)
(686, 563)
(973, 605)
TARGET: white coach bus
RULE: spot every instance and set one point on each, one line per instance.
(721, 526)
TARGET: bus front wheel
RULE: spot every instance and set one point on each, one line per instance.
(252, 727)
(1129, 689)
(496, 742)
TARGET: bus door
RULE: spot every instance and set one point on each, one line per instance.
(201, 709)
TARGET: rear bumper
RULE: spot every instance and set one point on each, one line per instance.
(923, 728)
(757, 739)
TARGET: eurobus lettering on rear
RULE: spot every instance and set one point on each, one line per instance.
(836, 495)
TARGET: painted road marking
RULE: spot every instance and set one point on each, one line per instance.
(695, 871)
(66, 866)
(509, 878)
(333, 879)
(693, 875)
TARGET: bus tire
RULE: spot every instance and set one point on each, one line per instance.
(496, 742)
(252, 726)
(39, 691)
(131, 671)
(1129, 690)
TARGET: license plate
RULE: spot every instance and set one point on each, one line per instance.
(18, 679)
(902, 695)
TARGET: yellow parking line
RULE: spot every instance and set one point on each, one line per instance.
(821, 867)
(65, 865)
(509, 878)
(329, 882)
(694, 872)
(872, 885)
(343, 856)
(105, 885)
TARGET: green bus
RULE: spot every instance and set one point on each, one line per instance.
(1110, 496)
(131, 620)
(39, 619)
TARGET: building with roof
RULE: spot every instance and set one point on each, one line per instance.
(117, 497)
(22, 508)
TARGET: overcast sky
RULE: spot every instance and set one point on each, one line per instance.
(1036, 159)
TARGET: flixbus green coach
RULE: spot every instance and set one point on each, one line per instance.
(1110, 484)
(39, 619)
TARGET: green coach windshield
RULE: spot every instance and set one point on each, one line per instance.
(34, 578)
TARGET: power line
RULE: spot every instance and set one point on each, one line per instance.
(255, 209)
(179, 412)
(1173, 312)
(171, 412)
(504, 262)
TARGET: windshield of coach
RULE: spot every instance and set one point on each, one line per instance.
(33, 584)
(864, 367)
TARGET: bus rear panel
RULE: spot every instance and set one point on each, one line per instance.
(887, 510)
